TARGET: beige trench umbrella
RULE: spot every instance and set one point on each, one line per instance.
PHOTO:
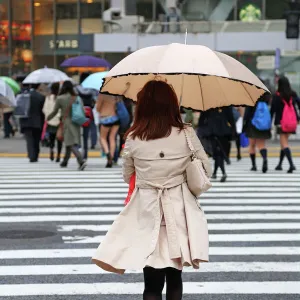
(204, 78)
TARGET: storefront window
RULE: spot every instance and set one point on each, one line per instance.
(4, 36)
(21, 36)
(43, 17)
(275, 9)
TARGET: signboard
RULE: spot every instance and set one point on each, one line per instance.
(65, 44)
(265, 62)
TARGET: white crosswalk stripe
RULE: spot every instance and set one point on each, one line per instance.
(52, 220)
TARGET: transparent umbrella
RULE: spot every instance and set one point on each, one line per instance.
(7, 96)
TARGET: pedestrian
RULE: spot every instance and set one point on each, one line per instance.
(32, 125)
(71, 131)
(286, 116)
(52, 125)
(257, 127)
(88, 104)
(162, 228)
(109, 125)
(7, 127)
(218, 126)
(238, 113)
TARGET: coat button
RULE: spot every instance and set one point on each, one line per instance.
(161, 154)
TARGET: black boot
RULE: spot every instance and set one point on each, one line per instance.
(279, 166)
(109, 163)
(288, 154)
(264, 154)
(222, 166)
(51, 155)
(253, 161)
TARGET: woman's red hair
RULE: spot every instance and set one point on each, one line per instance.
(157, 111)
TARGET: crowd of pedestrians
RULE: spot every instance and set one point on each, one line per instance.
(216, 128)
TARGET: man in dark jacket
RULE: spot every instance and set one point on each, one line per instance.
(32, 126)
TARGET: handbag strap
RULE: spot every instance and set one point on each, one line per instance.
(68, 108)
(190, 144)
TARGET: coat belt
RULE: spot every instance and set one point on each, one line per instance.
(163, 197)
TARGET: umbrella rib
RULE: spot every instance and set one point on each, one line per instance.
(248, 94)
(200, 85)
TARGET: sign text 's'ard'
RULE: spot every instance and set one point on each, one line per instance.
(63, 44)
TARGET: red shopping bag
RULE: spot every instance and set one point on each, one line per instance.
(44, 131)
(131, 188)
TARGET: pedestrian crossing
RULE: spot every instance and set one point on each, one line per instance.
(52, 220)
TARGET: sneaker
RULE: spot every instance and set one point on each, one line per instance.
(223, 178)
(82, 166)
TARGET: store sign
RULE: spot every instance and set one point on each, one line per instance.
(265, 62)
(64, 44)
(250, 13)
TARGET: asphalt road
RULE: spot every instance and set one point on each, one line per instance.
(52, 220)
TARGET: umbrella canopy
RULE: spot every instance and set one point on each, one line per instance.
(86, 91)
(12, 83)
(202, 78)
(94, 81)
(7, 96)
(46, 75)
(86, 61)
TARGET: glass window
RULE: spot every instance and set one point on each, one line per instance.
(21, 36)
(43, 17)
(275, 9)
(4, 35)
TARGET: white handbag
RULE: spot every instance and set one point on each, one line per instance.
(197, 179)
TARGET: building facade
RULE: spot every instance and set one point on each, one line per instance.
(37, 33)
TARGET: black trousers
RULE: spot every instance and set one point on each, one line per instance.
(155, 281)
(220, 146)
(8, 130)
(33, 138)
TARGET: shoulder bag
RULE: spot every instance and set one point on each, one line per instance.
(60, 129)
(197, 179)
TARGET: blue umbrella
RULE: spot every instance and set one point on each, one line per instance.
(94, 81)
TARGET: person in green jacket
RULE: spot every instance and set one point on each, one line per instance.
(72, 137)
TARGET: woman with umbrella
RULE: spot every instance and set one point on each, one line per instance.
(163, 229)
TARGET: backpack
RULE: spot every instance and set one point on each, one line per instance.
(22, 109)
(78, 115)
(122, 114)
(88, 114)
(289, 118)
(262, 117)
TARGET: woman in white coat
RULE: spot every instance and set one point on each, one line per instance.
(163, 228)
(53, 124)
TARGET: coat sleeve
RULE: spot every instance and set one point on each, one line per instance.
(200, 151)
(128, 163)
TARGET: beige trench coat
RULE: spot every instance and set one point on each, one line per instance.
(163, 225)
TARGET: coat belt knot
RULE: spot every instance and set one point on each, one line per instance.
(163, 198)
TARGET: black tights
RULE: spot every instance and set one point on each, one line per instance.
(155, 281)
